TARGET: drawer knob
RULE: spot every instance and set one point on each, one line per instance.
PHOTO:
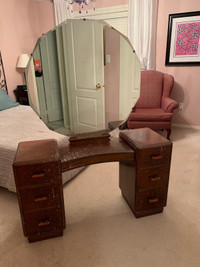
(40, 199)
(43, 223)
(37, 176)
(154, 178)
(155, 157)
(153, 200)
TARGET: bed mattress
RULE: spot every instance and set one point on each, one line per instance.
(19, 124)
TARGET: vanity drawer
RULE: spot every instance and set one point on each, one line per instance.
(41, 222)
(151, 199)
(40, 197)
(151, 157)
(152, 177)
(37, 174)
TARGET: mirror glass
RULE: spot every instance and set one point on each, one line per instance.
(82, 75)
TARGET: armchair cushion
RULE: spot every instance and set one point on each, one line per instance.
(154, 114)
(151, 91)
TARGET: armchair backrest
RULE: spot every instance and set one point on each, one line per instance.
(154, 86)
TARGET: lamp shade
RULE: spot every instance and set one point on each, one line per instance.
(22, 61)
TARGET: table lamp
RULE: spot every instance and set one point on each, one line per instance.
(22, 63)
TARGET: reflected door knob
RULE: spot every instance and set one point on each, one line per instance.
(98, 85)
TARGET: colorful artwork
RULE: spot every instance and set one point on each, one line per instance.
(187, 39)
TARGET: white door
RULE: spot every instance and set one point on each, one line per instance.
(50, 70)
(85, 75)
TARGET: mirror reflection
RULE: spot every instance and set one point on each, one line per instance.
(82, 75)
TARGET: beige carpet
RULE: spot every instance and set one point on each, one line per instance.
(101, 230)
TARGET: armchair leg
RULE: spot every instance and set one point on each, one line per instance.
(168, 133)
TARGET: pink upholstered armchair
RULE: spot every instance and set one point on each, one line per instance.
(154, 108)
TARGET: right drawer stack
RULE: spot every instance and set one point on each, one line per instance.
(152, 178)
(144, 184)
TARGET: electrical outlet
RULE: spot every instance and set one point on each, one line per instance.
(107, 58)
(180, 106)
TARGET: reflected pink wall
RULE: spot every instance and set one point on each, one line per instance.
(112, 74)
(187, 79)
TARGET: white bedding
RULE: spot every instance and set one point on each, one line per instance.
(19, 124)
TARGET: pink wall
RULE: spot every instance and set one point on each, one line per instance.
(46, 16)
(21, 23)
(17, 36)
(187, 79)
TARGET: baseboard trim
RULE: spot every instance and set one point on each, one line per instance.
(195, 127)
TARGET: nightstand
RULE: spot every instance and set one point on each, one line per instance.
(21, 96)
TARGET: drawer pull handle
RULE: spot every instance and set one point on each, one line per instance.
(40, 199)
(39, 175)
(153, 200)
(155, 157)
(43, 223)
(154, 178)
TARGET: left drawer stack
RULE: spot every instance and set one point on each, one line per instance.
(38, 181)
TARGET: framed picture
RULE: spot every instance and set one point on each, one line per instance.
(183, 39)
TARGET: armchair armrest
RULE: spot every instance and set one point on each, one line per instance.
(168, 104)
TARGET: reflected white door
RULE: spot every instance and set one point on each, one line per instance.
(85, 75)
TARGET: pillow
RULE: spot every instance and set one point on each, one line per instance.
(6, 101)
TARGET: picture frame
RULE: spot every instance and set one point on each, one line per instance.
(3, 84)
(183, 39)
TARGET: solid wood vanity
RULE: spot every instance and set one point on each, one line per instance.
(144, 157)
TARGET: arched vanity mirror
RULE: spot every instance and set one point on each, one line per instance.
(81, 75)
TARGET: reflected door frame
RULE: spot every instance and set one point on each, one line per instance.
(116, 16)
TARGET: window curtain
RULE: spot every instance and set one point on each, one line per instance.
(61, 11)
(142, 19)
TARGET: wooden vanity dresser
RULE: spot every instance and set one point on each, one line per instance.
(144, 158)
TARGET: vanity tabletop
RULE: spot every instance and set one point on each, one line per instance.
(88, 152)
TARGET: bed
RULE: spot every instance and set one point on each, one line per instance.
(21, 123)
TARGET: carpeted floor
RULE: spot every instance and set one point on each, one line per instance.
(102, 231)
